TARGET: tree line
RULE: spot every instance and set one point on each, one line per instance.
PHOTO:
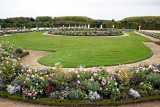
(146, 22)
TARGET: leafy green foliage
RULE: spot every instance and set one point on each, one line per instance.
(76, 94)
(154, 79)
(89, 85)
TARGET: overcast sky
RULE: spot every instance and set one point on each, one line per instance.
(96, 9)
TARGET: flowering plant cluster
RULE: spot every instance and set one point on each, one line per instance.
(96, 83)
(85, 32)
(152, 34)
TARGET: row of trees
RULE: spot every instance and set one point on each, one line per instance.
(147, 22)
(44, 21)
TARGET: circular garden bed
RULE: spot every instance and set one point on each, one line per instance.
(97, 86)
(86, 32)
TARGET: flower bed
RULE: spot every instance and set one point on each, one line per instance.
(13, 32)
(95, 86)
(86, 32)
(155, 35)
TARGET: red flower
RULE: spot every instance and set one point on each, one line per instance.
(124, 94)
(47, 90)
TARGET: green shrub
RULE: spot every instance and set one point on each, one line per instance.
(76, 94)
(154, 79)
(145, 89)
(138, 76)
(89, 85)
(19, 80)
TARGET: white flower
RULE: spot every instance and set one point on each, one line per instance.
(78, 82)
(76, 72)
(78, 76)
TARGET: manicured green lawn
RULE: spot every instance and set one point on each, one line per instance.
(89, 51)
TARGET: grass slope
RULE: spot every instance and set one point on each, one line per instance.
(89, 51)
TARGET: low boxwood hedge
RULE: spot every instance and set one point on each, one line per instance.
(22, 55)
(57, 102)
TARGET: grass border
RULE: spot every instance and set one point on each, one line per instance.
(57, 102)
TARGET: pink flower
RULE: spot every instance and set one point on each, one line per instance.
(117, 89)
(92, 79)
(116, 84)
(100, 88)
(112, 89)
(36, 83)
(31, 87)
(108, 82)
(29, 94)
(32, 76)
(99, 78)
(35, 92)
(95, 74)
(106, 88)
(103, 82)
(41, 78)
(40, 91)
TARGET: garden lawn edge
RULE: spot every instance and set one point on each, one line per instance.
(57, 102)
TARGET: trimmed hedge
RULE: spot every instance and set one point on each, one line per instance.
(22, 55)
(56, 102)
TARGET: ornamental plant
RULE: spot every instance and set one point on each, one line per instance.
(145, 89)
(76, 94)
(108, 86)
(89, 85)
(36, 84)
